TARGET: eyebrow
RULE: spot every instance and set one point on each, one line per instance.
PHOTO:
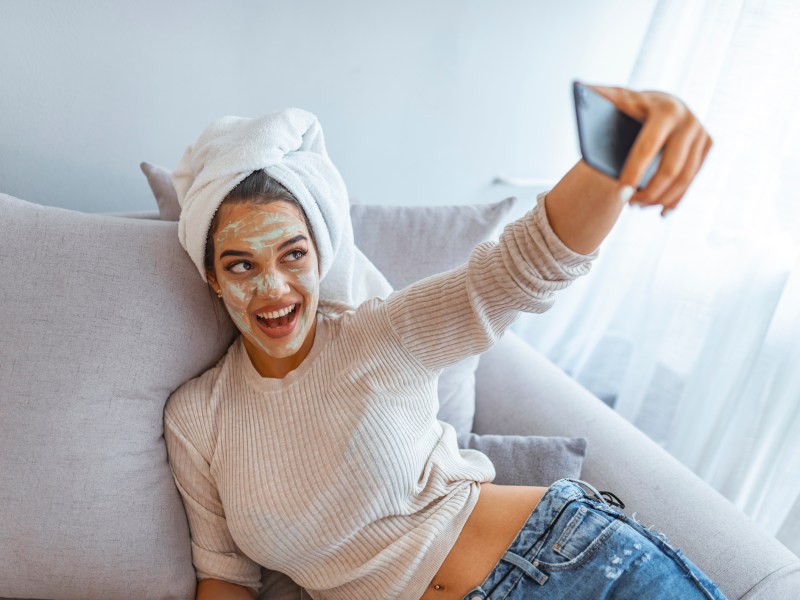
(283, 245)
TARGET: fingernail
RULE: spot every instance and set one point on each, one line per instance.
(625, 193)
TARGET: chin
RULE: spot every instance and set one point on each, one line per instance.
(279, 352)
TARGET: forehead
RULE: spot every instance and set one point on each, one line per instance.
(240, 222)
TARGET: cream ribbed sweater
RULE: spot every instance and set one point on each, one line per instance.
(340, 474)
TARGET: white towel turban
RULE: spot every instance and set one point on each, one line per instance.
(289, 146)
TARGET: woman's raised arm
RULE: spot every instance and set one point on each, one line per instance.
(446, 317)
(583, 207)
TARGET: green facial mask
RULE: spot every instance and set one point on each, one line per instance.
(271, 275)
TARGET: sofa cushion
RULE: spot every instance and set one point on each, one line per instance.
(160, 181)
(102, 318)
(529, 459)
(407, 243)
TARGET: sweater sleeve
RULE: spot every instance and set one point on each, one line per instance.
(461, 312)
(214, 552)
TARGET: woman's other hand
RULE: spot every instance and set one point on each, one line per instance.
(669, 125)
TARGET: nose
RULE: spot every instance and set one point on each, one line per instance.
(273, 285)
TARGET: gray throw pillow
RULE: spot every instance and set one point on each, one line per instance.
(102, 319)
(529, 459)
(409, 243)
(160, 181)
(406, 243)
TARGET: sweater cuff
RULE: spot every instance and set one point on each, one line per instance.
(561, 252)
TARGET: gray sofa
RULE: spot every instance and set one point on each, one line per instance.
(746, 562)
(519, 392)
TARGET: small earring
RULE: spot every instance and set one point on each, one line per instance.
(219, 294)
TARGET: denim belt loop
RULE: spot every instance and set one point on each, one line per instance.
(531, 568)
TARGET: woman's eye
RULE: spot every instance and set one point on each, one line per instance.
(231, 266)
(297, 253)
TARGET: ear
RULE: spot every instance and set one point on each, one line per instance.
(212, 280)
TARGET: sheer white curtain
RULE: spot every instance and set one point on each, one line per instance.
(690, 325)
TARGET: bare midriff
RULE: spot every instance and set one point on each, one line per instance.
(499, 514)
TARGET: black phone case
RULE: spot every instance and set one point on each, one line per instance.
(606, 134)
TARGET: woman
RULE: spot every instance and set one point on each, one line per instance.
(312, 447)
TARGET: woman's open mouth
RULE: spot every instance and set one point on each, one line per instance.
(279, 326)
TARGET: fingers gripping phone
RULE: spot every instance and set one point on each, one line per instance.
(606, 134)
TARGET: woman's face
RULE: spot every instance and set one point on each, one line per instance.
(267, 270)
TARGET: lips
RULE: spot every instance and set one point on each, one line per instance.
(280, 327)
(274, 307)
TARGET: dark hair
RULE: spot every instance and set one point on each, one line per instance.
(256, 188)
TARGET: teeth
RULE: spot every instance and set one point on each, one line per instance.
(277, 313)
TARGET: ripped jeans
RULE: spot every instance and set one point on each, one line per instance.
(575, 547)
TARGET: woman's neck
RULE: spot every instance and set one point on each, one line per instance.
(278, 368)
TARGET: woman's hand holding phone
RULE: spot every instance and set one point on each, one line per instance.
(669, 127)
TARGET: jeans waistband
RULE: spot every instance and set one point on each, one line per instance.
(600, 496)
(544, 514)
(557, 496)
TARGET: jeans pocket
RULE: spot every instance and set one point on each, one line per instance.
(578, 533)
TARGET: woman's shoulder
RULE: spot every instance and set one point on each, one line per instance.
(344, 317)
(198, 393)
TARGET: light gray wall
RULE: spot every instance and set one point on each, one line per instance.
(420, 101)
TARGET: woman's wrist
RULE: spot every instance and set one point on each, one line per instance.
(583, 207)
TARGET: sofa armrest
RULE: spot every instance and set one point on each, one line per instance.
(520, 392)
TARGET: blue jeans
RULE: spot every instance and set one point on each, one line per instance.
(576, 547)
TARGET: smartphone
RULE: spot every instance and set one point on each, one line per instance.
(606, 134)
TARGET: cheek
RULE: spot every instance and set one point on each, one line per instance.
(238, 293)
(308, 281)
